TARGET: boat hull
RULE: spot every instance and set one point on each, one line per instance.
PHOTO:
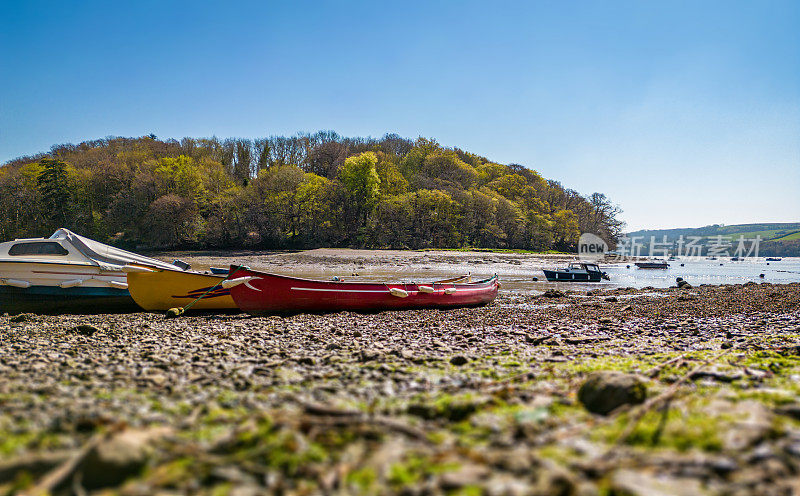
(650, 265)
(53, 299)
(164, 289)
(93, 288)
(558, 276)
(271, 294)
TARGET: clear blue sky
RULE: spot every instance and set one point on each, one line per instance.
(683, 113)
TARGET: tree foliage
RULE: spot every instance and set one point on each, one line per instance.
(302, 191)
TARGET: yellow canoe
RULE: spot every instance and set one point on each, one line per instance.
(161, 289)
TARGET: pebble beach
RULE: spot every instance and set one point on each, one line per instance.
(612, 391)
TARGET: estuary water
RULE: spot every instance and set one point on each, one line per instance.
(516, 271)
(696, 272)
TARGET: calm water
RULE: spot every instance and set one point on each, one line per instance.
(696, 272)
(516, 272)
(519, 278)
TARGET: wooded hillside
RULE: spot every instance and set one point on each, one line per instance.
(304, 191)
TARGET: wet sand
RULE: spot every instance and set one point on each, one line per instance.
(465, 401)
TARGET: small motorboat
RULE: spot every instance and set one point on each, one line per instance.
(773, 259)
(66, 273)
(654, 264)
(162, 288)
(576, 272)
(262, 293)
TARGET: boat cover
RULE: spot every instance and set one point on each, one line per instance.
(105, 255)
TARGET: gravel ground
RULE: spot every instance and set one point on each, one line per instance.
(468, 401)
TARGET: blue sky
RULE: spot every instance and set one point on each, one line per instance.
(683, 113)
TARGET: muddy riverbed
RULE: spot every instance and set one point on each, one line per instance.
(468, 401)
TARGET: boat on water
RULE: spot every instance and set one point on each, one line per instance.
(773, 259)
(161, 288)
(653, 264)
(576, 272)
(263, 293)
(66, 273)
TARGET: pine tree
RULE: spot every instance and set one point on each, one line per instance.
(53, 186)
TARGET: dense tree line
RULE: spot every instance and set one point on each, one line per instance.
(303, 191)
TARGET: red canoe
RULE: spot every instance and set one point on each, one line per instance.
(259, 292)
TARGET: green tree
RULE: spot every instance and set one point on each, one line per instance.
(54, 188)
(360, 178)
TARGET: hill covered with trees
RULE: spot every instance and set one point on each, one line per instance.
(304, 191)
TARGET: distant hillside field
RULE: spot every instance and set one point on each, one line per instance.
(777, 239)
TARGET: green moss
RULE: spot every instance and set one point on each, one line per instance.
(415, 468)
(223, 489)
(677, 429)
(467, 491)
(559, 454)
(770, 360)
(364, 479)
(454, 408)
(171, 474)
(11, 443)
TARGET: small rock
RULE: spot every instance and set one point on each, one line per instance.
(632, 483)
(790, 410)
(466, 475)
(85, 329)
(23, 317)
(505, 485)
(536, 340)
(553, 293)
(605, 391)
(459, 360)
(158, 380)
(611, 299)
(556, 480)
(717, 375)
(369, 355)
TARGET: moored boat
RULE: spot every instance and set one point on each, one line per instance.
(773, 259)
(159, 288)
(656, 264)
(262, 293)
(65, 273)
(576, 272)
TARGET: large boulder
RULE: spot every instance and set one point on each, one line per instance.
(606, 391)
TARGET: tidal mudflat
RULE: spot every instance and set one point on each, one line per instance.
(700, 394)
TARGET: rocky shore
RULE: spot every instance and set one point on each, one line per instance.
(624, 392)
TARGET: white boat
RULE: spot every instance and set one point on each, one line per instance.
(66, 272)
